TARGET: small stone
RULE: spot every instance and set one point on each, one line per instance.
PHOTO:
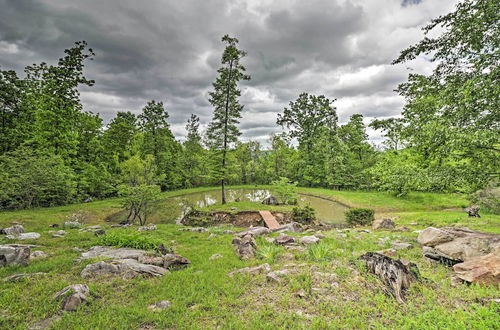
(215, 256)
(320, 236)
(171, 260)
(73, 224)
(284, 239)
(286, 257)
(264, 268)
(24, 236)
(383, 224)
(57, 236)
(319, 290)
(212, 236)
(38, 255)
(307, 240)
(255, 231)
(73, 296)
(147, 228)
(100, 232)
(278, 274)
(295, 248)
(161, 305)
(94, 227)
(77, 249)
(54, 225)
(229, 232)
(401, 246)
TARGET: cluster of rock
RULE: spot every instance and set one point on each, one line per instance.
(129, 263)
(17, 232)
(246, 247)
(18, 254)
(474, 255)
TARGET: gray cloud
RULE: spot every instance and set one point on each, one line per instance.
(170, 51)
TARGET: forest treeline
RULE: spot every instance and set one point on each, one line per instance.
(52, 151)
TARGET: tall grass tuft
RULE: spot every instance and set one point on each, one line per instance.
(131, 240)
(319, 252)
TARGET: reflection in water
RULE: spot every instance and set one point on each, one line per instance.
(326, 210)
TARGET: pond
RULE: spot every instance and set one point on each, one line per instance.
(326, 210)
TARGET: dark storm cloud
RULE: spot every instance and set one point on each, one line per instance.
(170, 51)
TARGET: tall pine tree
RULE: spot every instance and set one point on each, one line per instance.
(222, 131)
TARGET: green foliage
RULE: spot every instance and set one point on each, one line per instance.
(269, 252)
(129, 239)
(319, 252)
(305, 214)
(32, 179)
(285, 191)
(359, 216)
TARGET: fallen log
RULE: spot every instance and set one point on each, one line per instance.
(393, 273)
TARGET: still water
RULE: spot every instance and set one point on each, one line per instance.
(326, 210)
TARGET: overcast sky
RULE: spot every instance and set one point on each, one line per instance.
(170, 50)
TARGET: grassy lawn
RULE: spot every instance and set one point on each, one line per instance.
(204, 296)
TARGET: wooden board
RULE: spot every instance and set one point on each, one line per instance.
(269, 219)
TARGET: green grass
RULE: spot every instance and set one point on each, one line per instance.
(203, 296)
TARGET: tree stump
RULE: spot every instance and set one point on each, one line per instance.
(393, 273)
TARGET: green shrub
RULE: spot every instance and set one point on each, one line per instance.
(269, 252)
(285, 191)
(134, 240)
(319, 252)
(304, 214)
(359, 216)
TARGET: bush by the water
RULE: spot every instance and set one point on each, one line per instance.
(359, 216)
(304, 214)
(134, 240)
(285, 191)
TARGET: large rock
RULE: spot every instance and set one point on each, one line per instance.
(127, 268)
(255, 231)
(284, 239)
(264, 268)
(245, 246)
(13, 230)
(454, 245)
(73, 296)
(171, 260)
(113, 253)
(292, 227)
(14, 255)
(481, 270)
(307, 240)
(24, 236)
(383, 224)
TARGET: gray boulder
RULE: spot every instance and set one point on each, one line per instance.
(307, 240)
(453, 245)
(113, 253)
(383, 224)
(284, 239)
(292, 227)
(245, 246)
(73, 296)
(14, 255)
(255, 231)
(401, 246)
(13, 230)
(24, 236)
(264, 268)
(127, 268)
(174, 261)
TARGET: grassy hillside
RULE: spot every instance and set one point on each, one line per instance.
(204, 296)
